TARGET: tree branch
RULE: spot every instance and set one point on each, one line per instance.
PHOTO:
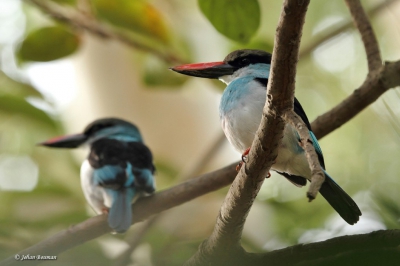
(317, 175)
(343, 250)
(227, 233)
(367, 34)
(329, 34)
(373, 87)
(142, 209)
(94, 27)
(379, 79)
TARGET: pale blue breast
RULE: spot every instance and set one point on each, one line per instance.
(240, 111)
(233, 95)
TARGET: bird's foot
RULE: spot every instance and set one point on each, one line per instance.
(269, 175)
(239, 166)
(244, 158)
(105, 210)
(245, 153)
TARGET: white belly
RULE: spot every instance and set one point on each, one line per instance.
(95, 195)
(240, 126)
(291, 157)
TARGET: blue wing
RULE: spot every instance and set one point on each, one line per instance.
(110, 176)
(119, 185)
(317, 149)
(330, 190)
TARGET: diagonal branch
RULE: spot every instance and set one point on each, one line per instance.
(367, 34)
(142, 209)
(225, 239)
(94, 27)
(373, 87)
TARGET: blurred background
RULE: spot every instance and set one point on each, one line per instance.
(55, 79)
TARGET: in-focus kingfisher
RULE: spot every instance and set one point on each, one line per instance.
(118, 169)
(246, 73)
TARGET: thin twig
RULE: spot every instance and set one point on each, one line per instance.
(317, 175)
(329, 34)
(367, 34)
(373, 87)
(79, 20)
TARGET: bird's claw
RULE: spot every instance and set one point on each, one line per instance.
(244, 155)
(239, 166)
(244, 159)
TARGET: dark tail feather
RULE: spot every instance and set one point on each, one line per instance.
(340, 201)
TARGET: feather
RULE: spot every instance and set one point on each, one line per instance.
(340, 200)
(120, 214)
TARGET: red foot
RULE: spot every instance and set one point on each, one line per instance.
(244, 155)
(105, 210)
(269, 175)
(239, 166)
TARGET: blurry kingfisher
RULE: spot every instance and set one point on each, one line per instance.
(118, 169)
(246, 73)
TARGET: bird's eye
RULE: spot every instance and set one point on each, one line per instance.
(245, 61)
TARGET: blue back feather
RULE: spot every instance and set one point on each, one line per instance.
(107, 174)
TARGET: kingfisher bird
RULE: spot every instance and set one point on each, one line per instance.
(119, 168)
(246, 73)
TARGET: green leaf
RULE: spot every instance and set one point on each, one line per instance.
(49, 43)
(16, 88)
(135, 15)
(236, 19)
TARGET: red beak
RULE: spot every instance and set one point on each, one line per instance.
(71, 141)
(212, 70)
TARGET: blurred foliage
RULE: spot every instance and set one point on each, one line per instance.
(232, 18)
(66, 2)
(10, 87)
(47, 44)
(387, 204)
(156, 74)
(138, 16)
(361, 155)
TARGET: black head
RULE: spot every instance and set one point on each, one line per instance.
(100, 128)
(101, 124)
(245, 57)
(232, 62)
